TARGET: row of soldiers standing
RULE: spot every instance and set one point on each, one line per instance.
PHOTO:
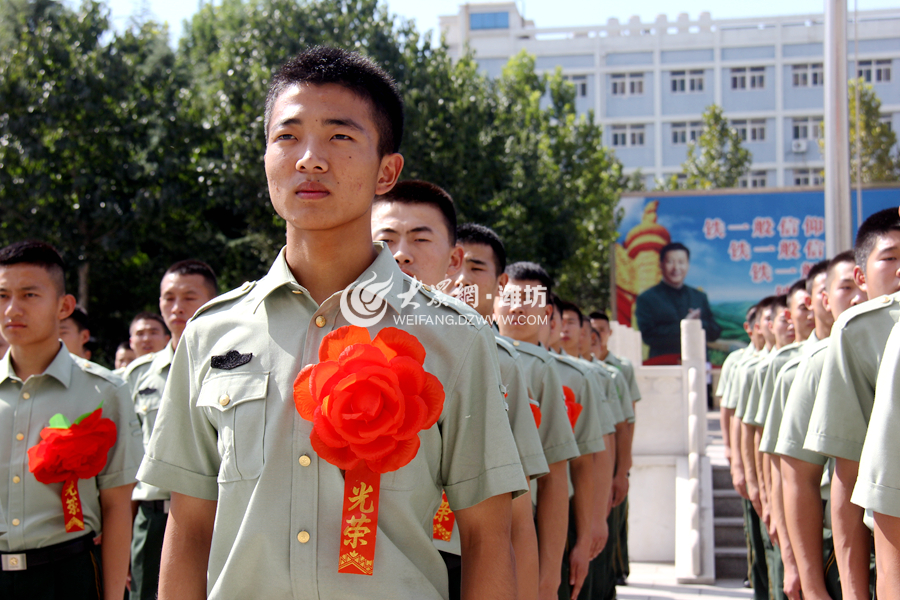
(808, 454)
(273, 429)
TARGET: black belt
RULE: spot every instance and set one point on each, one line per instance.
(160, 506)
(13, 561)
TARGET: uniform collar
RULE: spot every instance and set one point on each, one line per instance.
(382, 270)
(163, 358)
(60, 368)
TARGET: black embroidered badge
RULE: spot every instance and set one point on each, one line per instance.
(146, 391)
(232, 359)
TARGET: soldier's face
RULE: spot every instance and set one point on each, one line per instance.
(31, 306)
(801, 314)
(180, 296)
(418, 238)
(603, 328)
(882, 275)
(842, 289)
(783, 328)
(322, 161)
(147, 336)
(675, 267)
(570, 331)
(518, 319)
(477, 278)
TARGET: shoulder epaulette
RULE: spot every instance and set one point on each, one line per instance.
(506, 346)
(234, 294)
(571, 361)
(95, 369)
(870, 306)
(137, 363)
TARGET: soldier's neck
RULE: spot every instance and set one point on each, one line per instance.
(34, 358)
(326, 262)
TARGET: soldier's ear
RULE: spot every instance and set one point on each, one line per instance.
(860, 278)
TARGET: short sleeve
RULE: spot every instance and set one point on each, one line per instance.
(479, 458)
(125, 456)
(797, 409)
(183, 454)
(589, 426)
(521, 418)
(754, 398)
(556, 434)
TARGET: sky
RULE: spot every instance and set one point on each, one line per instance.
(545, 13)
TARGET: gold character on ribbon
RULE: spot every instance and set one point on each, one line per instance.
(359, 500)
(356, 530)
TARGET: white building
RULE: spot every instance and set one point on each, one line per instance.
(648, 83)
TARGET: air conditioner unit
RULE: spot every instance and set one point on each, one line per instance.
(798, 146)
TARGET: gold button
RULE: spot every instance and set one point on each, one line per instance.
(15, 522)
(224, 400)
(14, 561)
(320, 321)
(20, 436)
(886, 299)
(16, 479)
(515, 343)
(144, 408)
(302, 537)
(297, 291)
(305, 461)
(26, 395)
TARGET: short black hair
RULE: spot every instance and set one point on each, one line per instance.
(797, 286)
(671, 248)
(146, 315)
(39, 254)
(814, 271)
(780, 301)
(321, 65)
(196, 267)
(414, 191)
(529, 271)
(565, 305)
(876, 226)
(80, 318)
(765, 303)
(847, 256)
(124, 346)
(752, 313)
(473, 233)
(598, 315)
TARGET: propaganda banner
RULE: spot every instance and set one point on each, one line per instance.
(740, 247)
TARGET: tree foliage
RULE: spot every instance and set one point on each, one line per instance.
(877, 142)
(717, 159)
(128, 156)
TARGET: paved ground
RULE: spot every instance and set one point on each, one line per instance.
(654, 581)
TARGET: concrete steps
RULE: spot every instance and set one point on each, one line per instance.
(728, 512)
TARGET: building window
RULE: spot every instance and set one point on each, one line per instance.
(687, 81)
(808, 75)
(627, 135)
(636, 84)
(878, 71)
(754, 131)
(806, 128)
(757, 78)
(580, 83)
(885, 121)
(804, 177)
(739, 79)
(492, 20)
(630, 84)
(754, 179)
(679, 134)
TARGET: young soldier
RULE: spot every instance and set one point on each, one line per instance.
(185, 287)
(124, 357)
(248, 485)
(48, 550)
(147, 333)
(520, 324)
(75, 334)
(878, 482)
(802, 469)
(837, 426)
(758, 574)
(592, 481)
(417, 221)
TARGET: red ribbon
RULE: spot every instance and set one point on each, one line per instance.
(443, 520)
(359, 521)
(572, 408)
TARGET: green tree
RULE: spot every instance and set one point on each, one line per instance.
(877, 142)
(716, 160)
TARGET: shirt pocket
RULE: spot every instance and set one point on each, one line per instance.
(236, 405)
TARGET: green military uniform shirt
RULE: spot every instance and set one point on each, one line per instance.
(764, 384)
(617, 392)
(147, 382)
(840, 416)
(234, 435)
(727, 372)
(782, 387)
(31, 513)
(627, 369)
(589, 428)
(798, 406)
(730, 399)
(545, 388)
(744, 383)
(878, 483)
